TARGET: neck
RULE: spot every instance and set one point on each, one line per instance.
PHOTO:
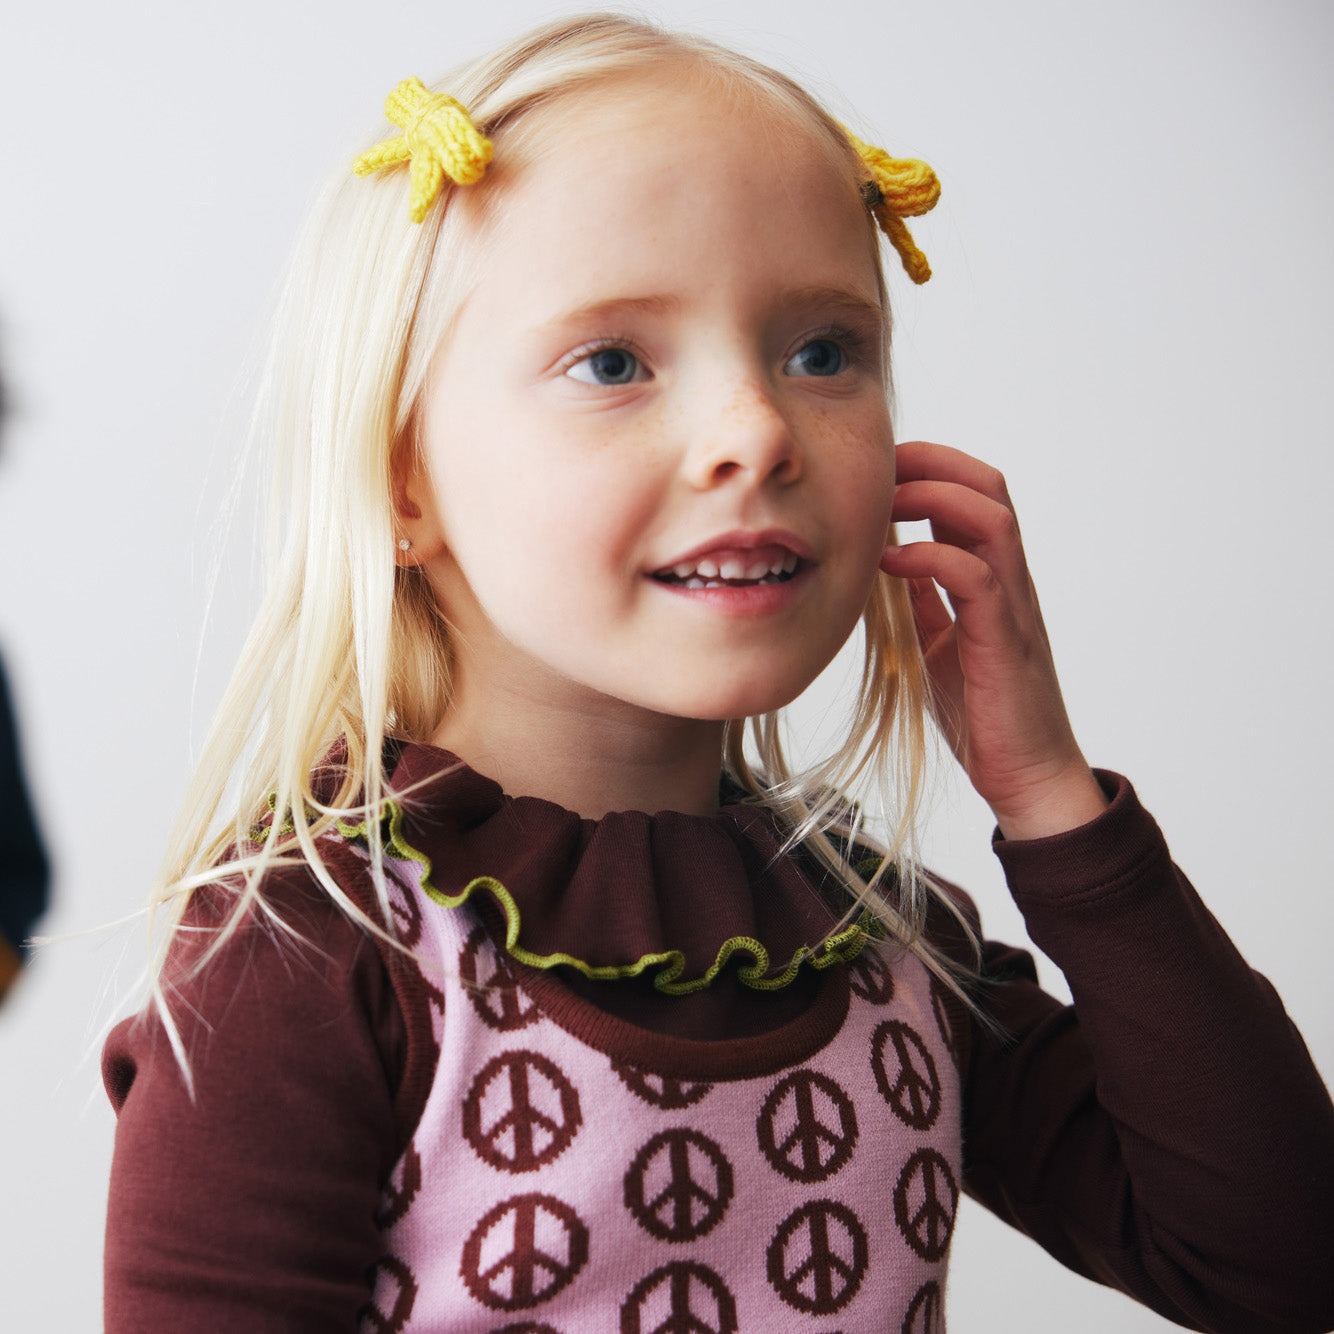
(589, 756)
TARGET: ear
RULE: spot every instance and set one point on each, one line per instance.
(415, 516)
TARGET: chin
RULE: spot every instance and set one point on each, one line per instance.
(720, 706)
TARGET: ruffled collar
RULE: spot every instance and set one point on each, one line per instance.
(683, 902)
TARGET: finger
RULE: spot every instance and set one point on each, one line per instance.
(934, 625)
(920, 460)
(971, 512)
(929, 613)
(983, 614)
(965, 518)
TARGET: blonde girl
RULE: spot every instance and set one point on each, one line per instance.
(511, 979)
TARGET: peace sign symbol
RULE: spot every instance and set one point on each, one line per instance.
(807, 1127)
(907, 1080)
(869, 976)
(828, 1244)
(695, 1301)
(926, 1314)
(924, 1203)
(535, 1244)
(494, 993)
(659, 1091)
(404, 1183)
(941, 1002)
(520, 1112)
(435, 998)
(404, 906)
(678, 1186)
(403, 1291)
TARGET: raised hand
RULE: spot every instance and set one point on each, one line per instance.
(997, 698)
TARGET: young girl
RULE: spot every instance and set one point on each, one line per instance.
(515, 982)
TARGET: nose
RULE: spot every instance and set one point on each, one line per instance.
(745, 437)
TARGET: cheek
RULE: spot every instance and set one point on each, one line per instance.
(551, 544)
(598, 497)
(875, 478)
(863, 457)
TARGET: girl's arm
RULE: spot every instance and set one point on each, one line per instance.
(1168, 1134)
(252, 1206)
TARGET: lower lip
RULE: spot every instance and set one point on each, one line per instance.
(743, 599)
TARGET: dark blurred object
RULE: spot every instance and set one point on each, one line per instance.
(25, 874)
(24, 871)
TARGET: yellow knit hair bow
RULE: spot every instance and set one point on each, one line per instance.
(438, 139)
(900, 187)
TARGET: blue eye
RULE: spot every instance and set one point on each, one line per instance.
(821, 356)
(607, 366)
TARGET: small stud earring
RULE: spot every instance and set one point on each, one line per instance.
(405, 544)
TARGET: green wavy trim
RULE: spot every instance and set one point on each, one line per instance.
(842, 947)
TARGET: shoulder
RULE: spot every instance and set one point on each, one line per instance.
(290, 958)
(291, 934)
(275, 982)
(253, 1163)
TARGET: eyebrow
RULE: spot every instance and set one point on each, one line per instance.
(594, 311)
(841, 297)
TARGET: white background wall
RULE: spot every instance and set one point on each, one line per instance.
(1131, 315)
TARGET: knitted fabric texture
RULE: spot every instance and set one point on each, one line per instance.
(665, 966)
(560, 1179)
(439, 139)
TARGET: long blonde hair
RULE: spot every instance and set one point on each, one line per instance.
(348, 649)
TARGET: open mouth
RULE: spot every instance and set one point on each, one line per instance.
(772, 566)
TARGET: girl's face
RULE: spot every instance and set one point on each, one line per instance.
(658, 466)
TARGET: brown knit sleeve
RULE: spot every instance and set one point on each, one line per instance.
(1167, 1135)
(252, 1205)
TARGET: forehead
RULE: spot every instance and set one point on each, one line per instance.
(667, 180)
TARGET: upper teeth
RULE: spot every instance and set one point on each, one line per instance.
(735, 568)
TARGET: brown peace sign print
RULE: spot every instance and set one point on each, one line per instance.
(905, 1074)
(521, 1112)
(435, 1000)
(404, 1183)
(404, 906)
(869, 976)
(926, 1313)
(523, 1252)
(491, 987)
(395, 1288)
(659, 1091)
(678, 1186)
(818, 1258)
(680, 1298)
(945, 1006)
(807, 1127)
(925, 1199)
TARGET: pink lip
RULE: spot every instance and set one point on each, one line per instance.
(739, 541)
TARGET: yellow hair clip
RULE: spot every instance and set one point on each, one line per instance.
(900, 187)
(439, 139)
